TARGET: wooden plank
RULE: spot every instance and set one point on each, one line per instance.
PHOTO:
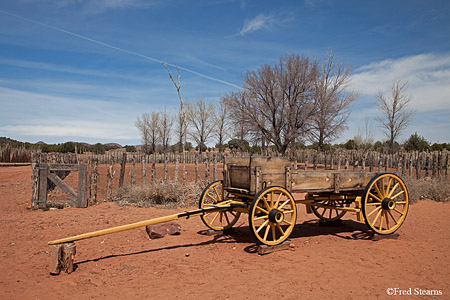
(82, 186)
(317, 180)
(42, 193)
(55, 263)
(63, 167)
(63, 186)
(266, 249)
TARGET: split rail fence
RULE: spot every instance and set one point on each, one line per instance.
(48, 169)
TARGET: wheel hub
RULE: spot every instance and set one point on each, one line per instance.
(388, 204)
(276, 216)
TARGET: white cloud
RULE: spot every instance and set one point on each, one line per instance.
(428, 77)
(259, 22)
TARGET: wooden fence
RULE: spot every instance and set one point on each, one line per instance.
(207, 167)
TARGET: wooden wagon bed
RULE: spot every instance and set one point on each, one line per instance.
(249, 175)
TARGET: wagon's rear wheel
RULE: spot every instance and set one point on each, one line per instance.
(328, 214)
(272, 215)
(385, 203)
(218, 220)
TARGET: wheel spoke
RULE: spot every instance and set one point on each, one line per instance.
(226, 217)
(220, 218)
(393, 190)
(376, 209)
(376, 198)
(398, 194)
(274, 236)
(400, 202)
(280, 229)
(331, 211)
(262, 226)
(389, 185)
(401, 213)
(262, 210)
(217, 193)
(287, 211)
(260, 218)
(284, 203)
(373, 203)
(215, 217)
(278, 200)
(265, 203)
(378, 191)
(289, 223)
(387, 220)
(324, 211)
(383, 195)
(271, 200)
(215, 201)
(381, 220)
(376, 217)
(396, 222)
(267, 232)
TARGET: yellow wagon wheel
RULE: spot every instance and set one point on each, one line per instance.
(385, 203)
(218, 220)
(328, 214)
(272, 215)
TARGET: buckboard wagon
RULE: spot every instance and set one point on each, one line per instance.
(264, 188)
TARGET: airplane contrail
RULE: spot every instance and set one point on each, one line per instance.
(118, 48)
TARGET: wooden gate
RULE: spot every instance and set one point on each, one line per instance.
(48, 172)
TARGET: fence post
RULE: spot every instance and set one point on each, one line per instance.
(94, 176)
(42, 193)
(197, 175)
(215, 167)
(177, 165)
(143, 170)
(110, 175)
(133, 171)
(122, 169)
(207, 177)
(82, 186)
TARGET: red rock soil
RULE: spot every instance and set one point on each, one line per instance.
(323, 262)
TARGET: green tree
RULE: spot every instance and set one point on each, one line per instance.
(416, 143)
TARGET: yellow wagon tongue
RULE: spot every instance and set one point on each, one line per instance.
(226, 205)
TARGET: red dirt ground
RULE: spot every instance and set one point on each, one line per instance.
(323, 262)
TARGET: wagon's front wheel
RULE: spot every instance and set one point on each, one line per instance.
(218, 220)
(272, 215)
(385, 203)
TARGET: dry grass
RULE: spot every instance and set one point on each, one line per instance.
(167, 194)
(428, 189)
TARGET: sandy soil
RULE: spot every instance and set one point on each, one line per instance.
(323, 262)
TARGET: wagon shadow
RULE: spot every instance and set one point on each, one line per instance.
(341, 229)
(242, 234)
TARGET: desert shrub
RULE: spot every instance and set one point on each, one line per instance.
(428, 189)
(160, 193)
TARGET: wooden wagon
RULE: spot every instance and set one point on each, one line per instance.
(264, 188)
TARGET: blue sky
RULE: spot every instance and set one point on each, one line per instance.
(84, 70)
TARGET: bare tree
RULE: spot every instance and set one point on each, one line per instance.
(331, 100)
(180, 129)
(200, 116)
(183, 126)
(221, 123)
(165, 129)
(395, 113)
(142, 125)
(277, 101)
(154, 130)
